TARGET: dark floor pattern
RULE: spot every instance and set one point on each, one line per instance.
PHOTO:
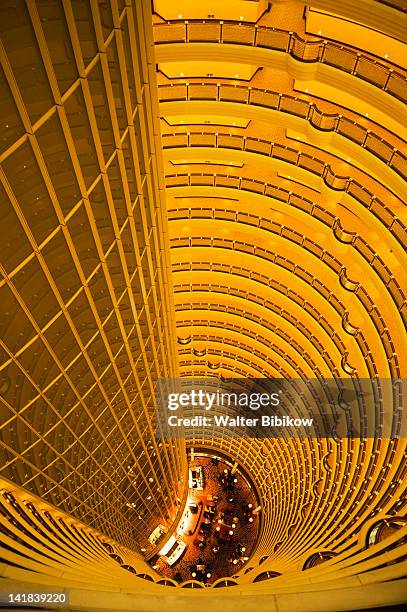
(223, 554)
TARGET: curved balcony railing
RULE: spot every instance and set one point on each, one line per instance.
(327, 52)
(283, 289)
(400, 5)
(305, 205)
(302, 160)
(313, 248)
(265, 98)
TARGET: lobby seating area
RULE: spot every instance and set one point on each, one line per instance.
(222, 534)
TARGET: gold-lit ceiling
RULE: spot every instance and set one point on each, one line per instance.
(282, 161)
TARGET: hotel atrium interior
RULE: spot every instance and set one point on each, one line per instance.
(208, 189)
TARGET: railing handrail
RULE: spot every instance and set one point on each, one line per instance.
(396, 4)
(360, 245)
(367, 253)
(290, 193)
(296, 46)
(337, 122)
(245, 139)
